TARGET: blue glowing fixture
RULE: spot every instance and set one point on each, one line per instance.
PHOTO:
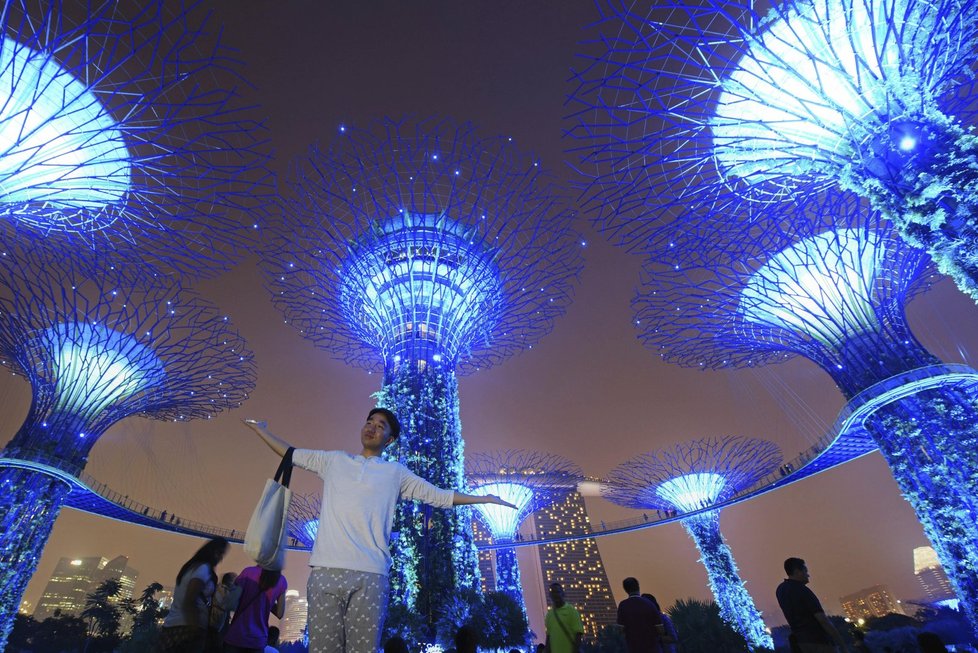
(822, 287)
(420, 288)
(692, 491)
(814, 80)
(503, 521)
(58, 146)
(95, 367)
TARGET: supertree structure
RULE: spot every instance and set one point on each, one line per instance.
(422, 249)
(832, 286)
(95, 350)
(741, 99)
(122, 130)
(692, 477)
(529, 480)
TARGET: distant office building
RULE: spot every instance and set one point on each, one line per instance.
(487, 559)
(577, 564)
(293, 623)
(875, 601)
(929, 572)
(75, 578)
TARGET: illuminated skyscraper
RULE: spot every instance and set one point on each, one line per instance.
(576, 564)
(74, 579)
(296, 615)
(421, 249)
(693, 476)
(927, 568)
(875, 601)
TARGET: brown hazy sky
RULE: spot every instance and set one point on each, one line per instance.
(588, 391)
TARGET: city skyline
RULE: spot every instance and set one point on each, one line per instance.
(588, 391)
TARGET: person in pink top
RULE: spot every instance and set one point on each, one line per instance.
(262, 594)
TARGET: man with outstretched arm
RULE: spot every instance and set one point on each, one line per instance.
(350, 559)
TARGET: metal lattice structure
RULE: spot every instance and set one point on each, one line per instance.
(423, 238)
(123, 133)
(530, 480)
(693, 476)
(831, 284)
(421, 248)
(682, 108)
(96, 350)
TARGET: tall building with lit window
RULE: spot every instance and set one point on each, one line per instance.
(576, 564)
(487, 561)
(74, 579)
(932, 577)
(875, 601)
(294, 620)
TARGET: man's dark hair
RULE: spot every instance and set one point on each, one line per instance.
(791, 565)
(631, 585)
(557, 585)
(391, 419)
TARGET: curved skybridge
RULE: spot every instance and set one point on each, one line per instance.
(846, 441)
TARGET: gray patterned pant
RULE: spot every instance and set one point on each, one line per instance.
(346, 610)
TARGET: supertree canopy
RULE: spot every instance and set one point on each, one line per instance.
(833, 288)
(121, 129)
(721, 98)
(95, 350)
(528, 479)
(420, 248)
(691, 477)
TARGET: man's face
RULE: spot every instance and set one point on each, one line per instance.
(376, 433)
(557, 595)
(801, 574)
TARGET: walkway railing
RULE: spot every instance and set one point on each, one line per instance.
(847, 440)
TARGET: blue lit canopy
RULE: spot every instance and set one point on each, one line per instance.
(123, 135)
(422, 242)
(58, 146)
(834, 294)
(528, 479)
(692, 491)
(692, 475)
(687, 108)
(503, 521)
(420, 289)
(94, 367)
(97, 349)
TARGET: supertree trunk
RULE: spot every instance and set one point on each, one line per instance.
(508, 576)
(29, 504)
(930, 442)
(434, 554)
(736, 605)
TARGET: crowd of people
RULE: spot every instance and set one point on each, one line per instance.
(348, 585)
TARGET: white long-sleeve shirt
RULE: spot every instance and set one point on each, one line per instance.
(357, 514)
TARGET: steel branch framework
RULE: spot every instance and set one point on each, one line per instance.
(693, 476)
(832, 285)
(528, 479)
(122, 132)
(698, 105)
(419, 247)
(96, 349)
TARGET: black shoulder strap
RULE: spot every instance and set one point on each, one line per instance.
(284, 470)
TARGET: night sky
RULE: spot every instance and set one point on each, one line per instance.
(588, 391)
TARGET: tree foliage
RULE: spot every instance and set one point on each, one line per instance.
(701, 629)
